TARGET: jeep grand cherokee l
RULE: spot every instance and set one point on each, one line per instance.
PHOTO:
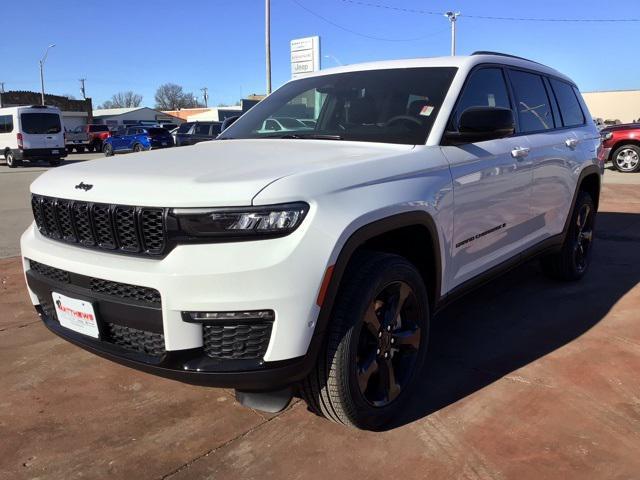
(312, 261)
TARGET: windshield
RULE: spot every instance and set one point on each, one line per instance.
(40, 123)
(391, 106)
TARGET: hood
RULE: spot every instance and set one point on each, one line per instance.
(216, 173)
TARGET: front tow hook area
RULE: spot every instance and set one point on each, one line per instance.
(271, 402)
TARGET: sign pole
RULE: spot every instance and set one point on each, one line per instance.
(267, 41)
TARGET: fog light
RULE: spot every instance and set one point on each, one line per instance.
(230, 316)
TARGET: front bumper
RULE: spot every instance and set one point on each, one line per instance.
(265, 274)
(40, 153)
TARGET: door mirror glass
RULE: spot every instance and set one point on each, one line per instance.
(478, 124)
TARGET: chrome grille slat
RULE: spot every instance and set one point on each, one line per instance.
(127, 229)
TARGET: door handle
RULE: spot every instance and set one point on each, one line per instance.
(571, 142)
(520, 152)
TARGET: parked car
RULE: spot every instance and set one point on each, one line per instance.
(31, 133)
(137, 139)
(89, 137)
(621, 146)
(190, 133)
(283, 124)
(313, 262)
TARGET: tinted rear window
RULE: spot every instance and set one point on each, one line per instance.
(98, 128)
(40, 123)
(184, 128)
(569, 106)
(157, 132)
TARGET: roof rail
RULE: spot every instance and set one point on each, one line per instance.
(486, 52)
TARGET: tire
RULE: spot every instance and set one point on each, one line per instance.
(80, 149)
(55, 162)
(12, 162)
(137, 148)
(626, 158)
(107, 150)
(572, 262)
(350, 383)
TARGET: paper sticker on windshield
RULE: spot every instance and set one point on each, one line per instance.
(426, 110)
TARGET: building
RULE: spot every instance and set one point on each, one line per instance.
(74, 112)
(216, 114)
(623, 105)
(185, 113)
(114, 117)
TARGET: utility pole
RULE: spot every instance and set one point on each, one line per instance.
(205, 95)
(84, 95)
(1, 92)
(453, 17)
(42, 60)
(267, 41)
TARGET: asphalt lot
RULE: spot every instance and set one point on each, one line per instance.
(527, 378)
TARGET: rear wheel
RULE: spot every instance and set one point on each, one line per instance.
(55, 162)
(107, 149)
(572, 262)
(12, 162)
(137, 147)
(627, 158)
(376, 345)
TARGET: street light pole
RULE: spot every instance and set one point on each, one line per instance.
(42, 60)
(267, 41)
(453, 16)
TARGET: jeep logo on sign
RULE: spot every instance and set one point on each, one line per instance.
(84, 186)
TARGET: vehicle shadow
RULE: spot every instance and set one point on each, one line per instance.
(523, 316)
(44, 163)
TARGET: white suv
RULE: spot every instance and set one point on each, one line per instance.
(311, 262)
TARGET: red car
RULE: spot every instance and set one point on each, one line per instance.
(621, 146)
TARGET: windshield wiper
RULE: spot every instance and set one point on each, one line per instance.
(313, 136)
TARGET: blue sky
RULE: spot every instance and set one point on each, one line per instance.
(138, 45)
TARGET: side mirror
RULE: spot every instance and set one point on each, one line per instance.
(478, 124)
(227, 122)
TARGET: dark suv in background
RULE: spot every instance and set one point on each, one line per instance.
(190, 133)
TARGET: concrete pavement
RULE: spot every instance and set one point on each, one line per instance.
(527, 379)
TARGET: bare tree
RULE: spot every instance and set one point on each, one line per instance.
(170, 96)
(126, 99)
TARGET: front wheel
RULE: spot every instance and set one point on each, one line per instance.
(55, 162)
(376, 344)
(107, 149)
(627, 158)
(573, 260)
(137, 148)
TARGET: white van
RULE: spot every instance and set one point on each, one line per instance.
(31, 133)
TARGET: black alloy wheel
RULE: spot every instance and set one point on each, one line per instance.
(388, 345)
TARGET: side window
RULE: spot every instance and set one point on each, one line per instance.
(202, 129)
(6, 123)
(532, 102)
(485, 88)
(570, 110)
(130, 131)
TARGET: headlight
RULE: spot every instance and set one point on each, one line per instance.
(268, 221)
(606, 136)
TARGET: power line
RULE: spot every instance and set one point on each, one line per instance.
(488, 17)
(370, 37)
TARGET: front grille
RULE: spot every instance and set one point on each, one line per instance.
(129, 338)
(125, 290)
(50, 272)
(104, 287)
(237, 341)
(133, 230)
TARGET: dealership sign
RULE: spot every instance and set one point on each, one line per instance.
(305, 56)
